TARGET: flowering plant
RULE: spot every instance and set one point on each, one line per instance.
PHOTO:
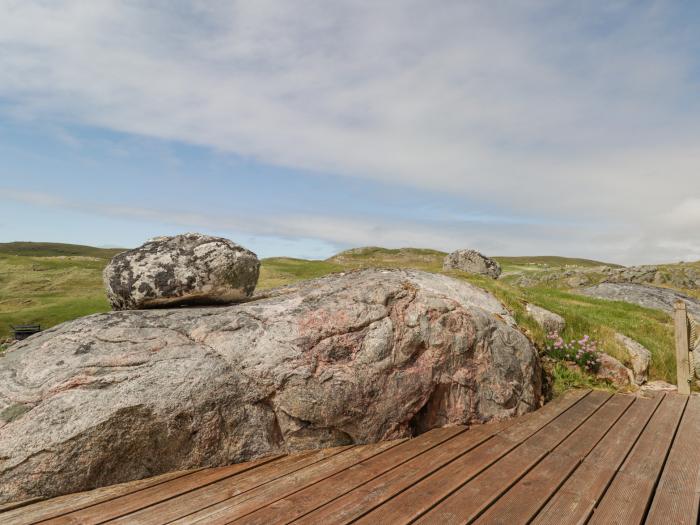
(582, 351)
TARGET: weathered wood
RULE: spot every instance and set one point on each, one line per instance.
(575, 500)
(123, 505)
(185, 503)
(60, 505)
(236, 507)
(425, 494)
(310, 498)
(677, 497)
(522, 502)
(683, 374)
(470, 500)
(373, 494)
(627, 499)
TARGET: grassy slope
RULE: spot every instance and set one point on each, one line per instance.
(47, 283)
(64, 282)
(54, 249)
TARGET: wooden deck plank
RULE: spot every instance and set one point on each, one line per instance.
(189, 502)
(471, 499)
(370, 495)
(233, 508)
(677, 497)
(51, 508)
(524, 500)
(122, 505)
(627, 499)
(575, 500)
(312, 497)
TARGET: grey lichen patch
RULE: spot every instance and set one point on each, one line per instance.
(14, 411)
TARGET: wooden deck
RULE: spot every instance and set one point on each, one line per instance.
(588, 457)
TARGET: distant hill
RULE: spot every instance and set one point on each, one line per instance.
(55, 249)
(431, 260)
(421, 258)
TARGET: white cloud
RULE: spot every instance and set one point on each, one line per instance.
(587, 111)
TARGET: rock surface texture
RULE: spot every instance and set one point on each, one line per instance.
(473, 262)
(549, 321)
(643, 295)
(350, 358)
(185, 269)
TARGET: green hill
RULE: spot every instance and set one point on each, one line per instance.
(54, 249)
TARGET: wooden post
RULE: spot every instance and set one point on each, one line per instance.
(682, 348)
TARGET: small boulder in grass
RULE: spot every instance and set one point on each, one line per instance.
(640, 357)
(472, 261)
(548, 321)
(188, 269)
(612, 370)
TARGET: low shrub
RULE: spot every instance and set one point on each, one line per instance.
(583, 352)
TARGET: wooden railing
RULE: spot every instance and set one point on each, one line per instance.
(684, 358)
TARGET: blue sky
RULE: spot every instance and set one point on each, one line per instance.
(300, 129)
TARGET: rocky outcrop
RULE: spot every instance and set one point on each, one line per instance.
(679, 275)
(549, 321)
(185, 269)
(473, 262)
(349, 358)
(643, 295)
(639, 357)
(632, 274)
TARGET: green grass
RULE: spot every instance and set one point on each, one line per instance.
(53, 249)
(564, 378)
(278, 271)
(49, 290)
(601, 319)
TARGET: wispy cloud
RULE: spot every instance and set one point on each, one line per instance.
(586, 112)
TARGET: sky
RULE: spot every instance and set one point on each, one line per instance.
(302, 128)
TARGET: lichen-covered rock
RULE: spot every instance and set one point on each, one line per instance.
(350, 358)
(185, 269)
(639, 356)
(473, 262)
(549, 321)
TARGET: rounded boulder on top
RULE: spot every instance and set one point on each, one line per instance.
(192, 269)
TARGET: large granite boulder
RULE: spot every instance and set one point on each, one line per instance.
(185, 269)
(473, 262)
(349, 358)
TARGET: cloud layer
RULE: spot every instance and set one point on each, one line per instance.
(582, 114)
